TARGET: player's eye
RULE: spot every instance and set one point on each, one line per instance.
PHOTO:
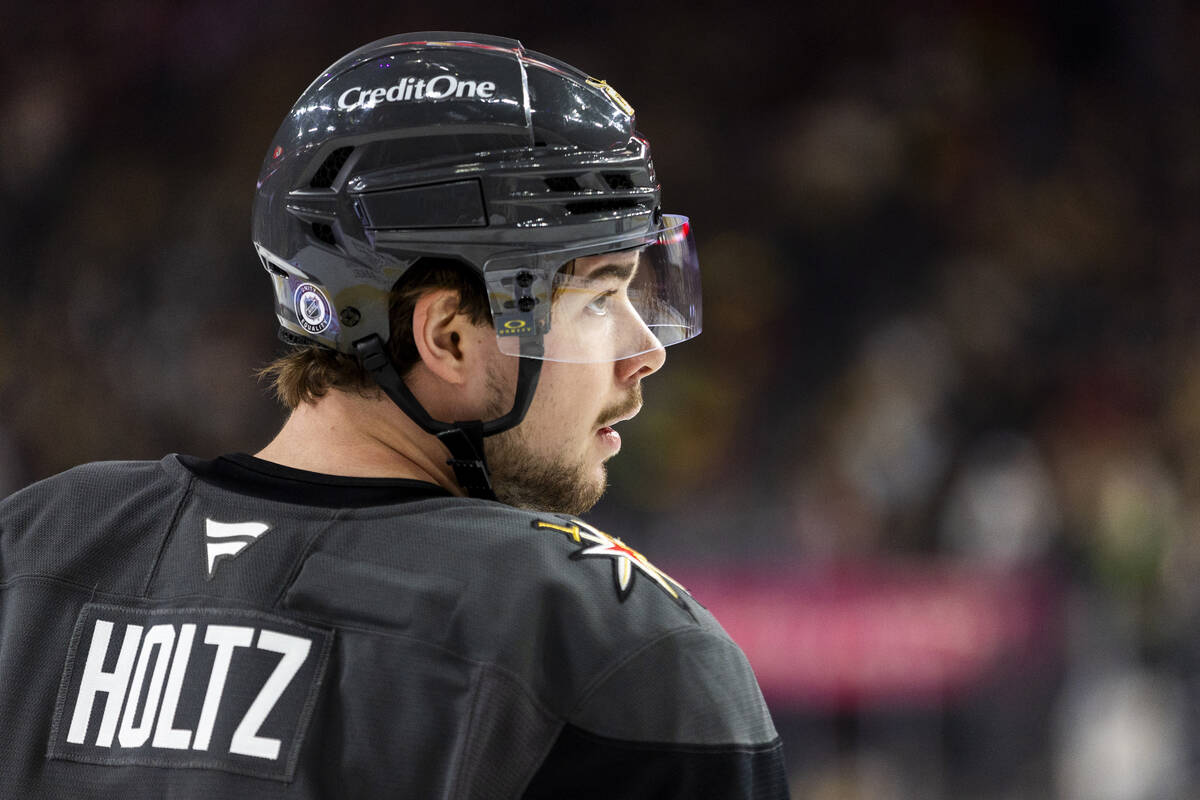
(599, 305)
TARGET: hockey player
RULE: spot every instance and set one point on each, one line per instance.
(397, 597)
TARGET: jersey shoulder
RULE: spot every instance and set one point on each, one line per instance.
(515, 588)
(85, 489)
(80, 522)
(670, 674)
(563, 556)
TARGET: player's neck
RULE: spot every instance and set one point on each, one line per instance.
(345, 434)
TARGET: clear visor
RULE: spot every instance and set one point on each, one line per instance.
(637, 295)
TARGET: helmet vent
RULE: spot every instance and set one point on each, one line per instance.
(325, 175)
(598, 206)
(324, 233)
(562, 183)
(618, 180)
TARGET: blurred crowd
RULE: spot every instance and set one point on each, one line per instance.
(950, 321)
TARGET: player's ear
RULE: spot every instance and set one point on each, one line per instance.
(451, 346)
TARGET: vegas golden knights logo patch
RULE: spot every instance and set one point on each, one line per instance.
(626, 561)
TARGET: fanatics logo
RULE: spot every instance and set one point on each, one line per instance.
(224, 540)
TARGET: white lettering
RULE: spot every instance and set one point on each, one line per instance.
(166, 734)
(345, 104)
(294, 650)
(410, 88)
(434, 94)
(226, 638)
(150, 680)
(96, 680)
(159, 640)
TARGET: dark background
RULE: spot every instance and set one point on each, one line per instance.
(951, 326)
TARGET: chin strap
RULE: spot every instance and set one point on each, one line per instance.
(464, 440)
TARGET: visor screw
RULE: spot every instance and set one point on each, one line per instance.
(526, 303)
(524, 279)
(350, 316)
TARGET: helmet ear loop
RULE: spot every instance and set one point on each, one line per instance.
(464, 440)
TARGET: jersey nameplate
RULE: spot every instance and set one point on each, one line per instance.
(227, 689)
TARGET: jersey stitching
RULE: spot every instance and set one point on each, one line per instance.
(599, 680)
(60, 703)
(391, 634)
(697, 749)
(304, 554)
(171, 528)
(533, 701)
(126, 597)
(41, 577)
(464, 745)
(541, 760)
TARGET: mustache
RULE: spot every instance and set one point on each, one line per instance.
(631, 403)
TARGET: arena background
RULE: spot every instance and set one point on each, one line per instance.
(935, 460)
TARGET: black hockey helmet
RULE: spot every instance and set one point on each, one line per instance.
(469, 147)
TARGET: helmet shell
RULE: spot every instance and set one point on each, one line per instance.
(438, 144)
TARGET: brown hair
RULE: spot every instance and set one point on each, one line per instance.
(308, 371)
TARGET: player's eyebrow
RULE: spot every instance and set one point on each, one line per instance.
(621, 271)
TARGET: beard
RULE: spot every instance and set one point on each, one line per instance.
(524, 478)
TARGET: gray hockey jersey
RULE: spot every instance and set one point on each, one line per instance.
(232, 628)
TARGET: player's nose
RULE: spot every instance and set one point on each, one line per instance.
(643, 364)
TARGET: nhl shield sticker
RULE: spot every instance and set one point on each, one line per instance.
(199, 688)
(627, 562)
(312, 308)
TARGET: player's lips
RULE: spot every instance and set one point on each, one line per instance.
(628, 416)
(610, 439)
